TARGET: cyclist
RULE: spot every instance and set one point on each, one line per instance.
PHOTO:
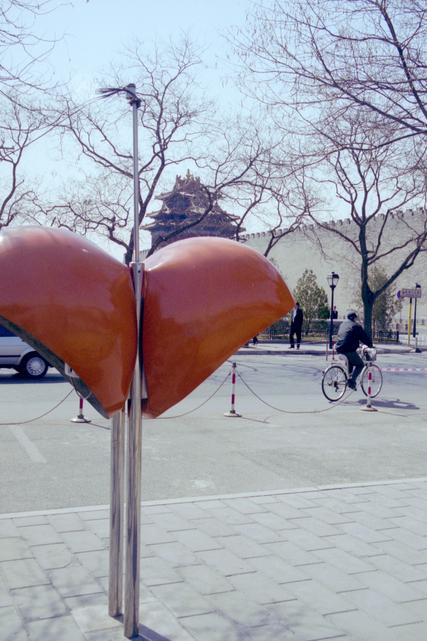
(350, 336)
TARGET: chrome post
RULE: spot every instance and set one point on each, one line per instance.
(134, 445)
(115, 586)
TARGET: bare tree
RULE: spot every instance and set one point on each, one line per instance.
(323, 56)
(372, 184)
(177, 131)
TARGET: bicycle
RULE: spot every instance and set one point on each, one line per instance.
(336, 377)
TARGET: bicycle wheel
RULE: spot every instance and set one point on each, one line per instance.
(334, 382)
(375, 383)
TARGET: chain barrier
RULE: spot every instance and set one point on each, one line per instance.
(279, 409)
(37, 418)
(165, 418)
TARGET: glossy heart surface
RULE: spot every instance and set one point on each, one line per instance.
(203, 299)
(74, 304)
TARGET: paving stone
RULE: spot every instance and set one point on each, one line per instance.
(172, 522)
(100, 527)
(96, 562)
(182, 599)
(343, 560)
(22, 573)
(367, 534)
(257, 532)
(196, 541)
(336, 579)
(373, 522)
(409, 523)
(245, 506)
(63, 628)
(361, 627)
(215, 527)
(262, 499)
(174, 553)
(8, 528)
(402, 552)
(292, 553)
(40, 534)
(391, 587)
(353, 545)
(307, 540)
(318, 527)
(419, 586)
(86, 600)
(274, 521)
(5, 596)
(52, 556)
(14, 548)
(92, 515)
(418, 609)
(409, 538)
(93, 618)
(377, 606)
(411, 632)
(305, 624)
(73, 580)
(66, 522)
(188, 510)
(261, 589)
(297, 500)
(11, 625)
(327, 515)
(154, 534)
(215, 627)
(240, 609)
(224, 561)
(241, 546)
(40, 602)
(204, 579)
(315, 594)
(82, 541)
(278, 569)
(156, 571)
(234, 517)
(286, 511)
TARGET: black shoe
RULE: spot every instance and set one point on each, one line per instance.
(291, 347)
(297, 346)
(352, 385)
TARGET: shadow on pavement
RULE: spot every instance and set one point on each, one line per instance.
(396, 404)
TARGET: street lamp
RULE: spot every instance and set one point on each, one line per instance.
(333, 279)
(414, 332)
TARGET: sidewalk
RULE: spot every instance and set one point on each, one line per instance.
(347, 563)
(272, 348)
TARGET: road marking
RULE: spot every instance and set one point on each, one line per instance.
(27, 445)
(418, 370)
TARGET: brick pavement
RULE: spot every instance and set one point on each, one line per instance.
(346, 563)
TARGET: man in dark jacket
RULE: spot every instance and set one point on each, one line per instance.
(350, 336)
(296, 326)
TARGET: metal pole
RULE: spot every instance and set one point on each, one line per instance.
(115, 587)
(414, 330)
(409, 321)
(331, 324)
(133, 541)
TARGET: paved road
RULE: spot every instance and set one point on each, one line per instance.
(288, 436)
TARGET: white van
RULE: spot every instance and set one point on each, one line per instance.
(17, 354)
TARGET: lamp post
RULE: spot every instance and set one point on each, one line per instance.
(126, 598)
(414, 331)
(332, 282)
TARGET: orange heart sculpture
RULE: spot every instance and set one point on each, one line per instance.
(203, 298)
(75, 305)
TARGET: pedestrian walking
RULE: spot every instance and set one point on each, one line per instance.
(297, 318)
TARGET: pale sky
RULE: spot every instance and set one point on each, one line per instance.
(92, 35)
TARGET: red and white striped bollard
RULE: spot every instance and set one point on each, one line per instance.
(232, 412)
